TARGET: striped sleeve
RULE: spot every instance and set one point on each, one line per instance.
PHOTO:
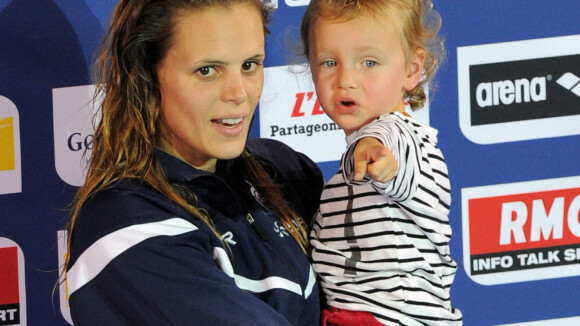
(405, 146)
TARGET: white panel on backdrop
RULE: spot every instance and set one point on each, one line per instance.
(297, 3)
(572, 321)
(62, 240)
(290, 112)
(73, 112)
(10, 167)
(271, 3)
(519, 90)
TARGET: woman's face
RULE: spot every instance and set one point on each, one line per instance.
(210, 81)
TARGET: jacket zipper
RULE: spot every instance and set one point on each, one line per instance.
(256, 226)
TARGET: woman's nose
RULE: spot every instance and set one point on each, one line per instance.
(235, 89)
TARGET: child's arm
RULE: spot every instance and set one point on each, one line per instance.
(400, 166)
(373, 157)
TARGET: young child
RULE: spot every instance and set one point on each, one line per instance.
(381, 249)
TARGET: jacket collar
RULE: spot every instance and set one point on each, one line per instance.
(177, 170)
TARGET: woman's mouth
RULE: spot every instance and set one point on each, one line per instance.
(228, 122)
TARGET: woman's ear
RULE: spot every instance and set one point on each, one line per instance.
(415, 69)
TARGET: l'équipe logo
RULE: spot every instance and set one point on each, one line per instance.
(522, 231)
(291, 113)
(12, 284)
(519, 90)
(73, 112)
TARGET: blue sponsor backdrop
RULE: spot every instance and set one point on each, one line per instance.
(47, 44)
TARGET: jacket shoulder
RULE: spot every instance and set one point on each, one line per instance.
(300, 178)
(284, 157)
(128, 202)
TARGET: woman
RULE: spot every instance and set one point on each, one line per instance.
(181, 221)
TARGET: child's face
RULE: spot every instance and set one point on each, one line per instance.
(359, 69)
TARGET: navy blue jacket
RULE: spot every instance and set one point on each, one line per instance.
(137, 258)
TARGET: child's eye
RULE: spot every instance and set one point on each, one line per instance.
(329, 63)
(369, 63)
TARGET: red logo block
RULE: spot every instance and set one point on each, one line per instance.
(9, 287)
(522, 231)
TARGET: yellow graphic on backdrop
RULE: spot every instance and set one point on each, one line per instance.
(7, 161)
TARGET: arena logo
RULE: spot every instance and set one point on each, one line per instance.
(522, 231)
(519, 90)
(507, 92)
(10, 166)
(570, 82)
(73, 114)
(12, 284)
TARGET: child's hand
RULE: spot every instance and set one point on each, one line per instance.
(372, 157)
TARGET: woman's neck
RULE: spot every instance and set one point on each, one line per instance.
(209, 165)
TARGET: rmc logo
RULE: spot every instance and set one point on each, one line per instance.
(522, 231)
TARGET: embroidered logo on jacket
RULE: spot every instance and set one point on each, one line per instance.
(281, 230)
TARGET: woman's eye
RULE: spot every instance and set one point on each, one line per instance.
(329, 63)
(206, 71)
(249, 66)
(369, 63)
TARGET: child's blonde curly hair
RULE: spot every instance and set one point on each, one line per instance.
(420, 25)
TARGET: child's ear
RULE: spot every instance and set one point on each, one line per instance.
(415, 69)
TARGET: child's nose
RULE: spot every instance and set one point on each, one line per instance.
(346, 79)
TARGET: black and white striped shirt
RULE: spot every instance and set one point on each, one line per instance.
(384, 248)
